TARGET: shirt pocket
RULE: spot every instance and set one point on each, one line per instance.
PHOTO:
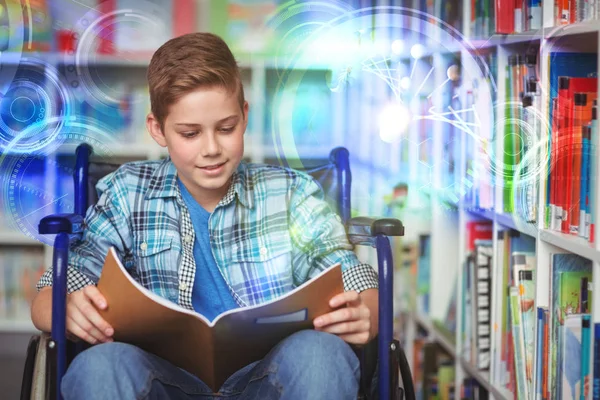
(261, 270)
(156, 265)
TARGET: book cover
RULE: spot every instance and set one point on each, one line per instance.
(585, 356)
(546, 351)
(592, 184)
(527, 301)
(539, 353)
(571, 357)
(563, 305)
(596, 382)
(584, 204)
(518, 341)
(212, 351)
(478, 230)
(499, 366)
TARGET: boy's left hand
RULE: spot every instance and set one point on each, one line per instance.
(352, 323)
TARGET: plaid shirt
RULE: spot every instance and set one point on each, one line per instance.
(270, 233)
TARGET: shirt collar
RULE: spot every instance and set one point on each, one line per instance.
(163, 183)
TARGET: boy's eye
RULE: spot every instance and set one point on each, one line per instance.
(227, 129)
(190, 134)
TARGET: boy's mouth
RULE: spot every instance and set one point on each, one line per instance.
(212, 168)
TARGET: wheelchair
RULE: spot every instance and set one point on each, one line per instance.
(385, 372)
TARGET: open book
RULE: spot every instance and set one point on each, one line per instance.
(211, 351)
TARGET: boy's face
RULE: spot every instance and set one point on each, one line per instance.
(204, 133)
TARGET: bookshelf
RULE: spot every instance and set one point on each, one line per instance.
(447, 220)
(419, 159)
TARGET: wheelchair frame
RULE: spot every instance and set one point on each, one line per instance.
(361, 231)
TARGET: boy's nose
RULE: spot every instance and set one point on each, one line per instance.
(211, 146)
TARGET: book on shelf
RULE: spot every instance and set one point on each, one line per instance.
(482, 295)
(528, 321)
(424, 274)
(570, 186)
(570, 280)
(518, 345)
(518, 16)
(434, 373)
(211, 350)
(476, 188)
(20, 270)
(596, 362)
(575, 357)
(522, 134)
(515, 261)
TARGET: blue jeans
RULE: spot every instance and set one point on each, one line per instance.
(307, 365)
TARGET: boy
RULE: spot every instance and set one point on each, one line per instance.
(210, 232)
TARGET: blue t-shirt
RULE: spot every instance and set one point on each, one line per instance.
(211, 295)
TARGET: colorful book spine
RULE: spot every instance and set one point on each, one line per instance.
(546, 353)
(534, 14)
(527, 300)
(539, 354)
(593, 166)
(596, 383)
(571, 357)
(519, 347)
(584, 190)
(585, 356)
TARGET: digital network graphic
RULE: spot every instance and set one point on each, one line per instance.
(369, 46)
(365, 51)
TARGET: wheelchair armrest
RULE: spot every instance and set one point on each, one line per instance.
(362, 230)
(61, 223)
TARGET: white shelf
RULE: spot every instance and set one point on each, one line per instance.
(17, 326)
(436, 335)
(579, 28)
(16, 238)
(503, 219)
(502, 40)
(484, 379)
(481, 376)
(571, 243)
(100, 60)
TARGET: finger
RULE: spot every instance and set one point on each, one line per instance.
(92, 293)
(356, 338)
(343, 298)
(79, 331)
(80, 319)
(341, 315)
(348, 327)
(91, 314)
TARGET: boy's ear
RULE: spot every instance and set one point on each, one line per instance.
(245, 115)
(155, 131)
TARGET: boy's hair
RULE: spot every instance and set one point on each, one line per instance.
(186, 63)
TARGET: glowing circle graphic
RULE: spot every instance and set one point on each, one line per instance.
(33, 107)
(41, 183)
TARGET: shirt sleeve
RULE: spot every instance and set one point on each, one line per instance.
(105, 225)
(318, 231)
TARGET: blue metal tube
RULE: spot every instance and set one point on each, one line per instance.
(80, 178)
(341, 158)
(386, 285)
(59, 305)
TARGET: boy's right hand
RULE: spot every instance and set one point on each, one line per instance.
(83, 319)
